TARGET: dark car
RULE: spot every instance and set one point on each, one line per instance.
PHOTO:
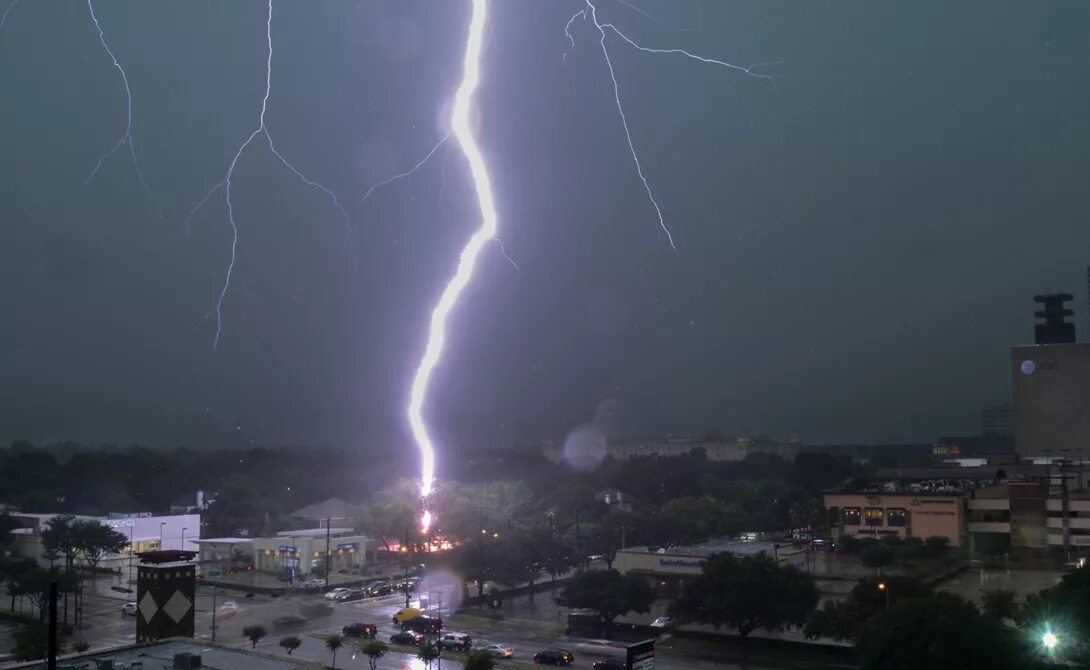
(406, 637)
(380, 590)
(554, 657)
(423, 624)
(354, 594)
(367, 630)
(610, 664)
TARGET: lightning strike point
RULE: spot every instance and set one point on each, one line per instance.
(462, 129)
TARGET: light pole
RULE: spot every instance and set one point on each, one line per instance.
(161, 524)
(183, 537)
(882, 586)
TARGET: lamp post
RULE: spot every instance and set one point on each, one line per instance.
(161, 524)
(882, 586)
(183, 537)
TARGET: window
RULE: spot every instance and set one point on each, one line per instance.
(851, 516)
(897, 517)
(873, 516)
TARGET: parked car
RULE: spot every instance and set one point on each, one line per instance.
(610, 664)
(332, 595)
(663, 623)
(121, 589)
(456, 642)
(423, 624)
(351, 595)
(129, 608)
(499, 651)
(367, 630)
(406, 637)
(404, 614)
(379, 590)
(554, 657)
(228, 608)
(312, 583)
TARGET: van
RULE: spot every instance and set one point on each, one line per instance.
(455, 642)
(406, 613)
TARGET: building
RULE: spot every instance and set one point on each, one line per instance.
(305, 550)
(1051, 385)
(735, 448)
(145, 533)
(177, 653)
(225, 553)
(997, 421)
(166, 594)
(902, 514)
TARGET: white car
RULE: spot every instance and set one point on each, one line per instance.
(499, 651)
(312, 584)
(129, 608)
(663, 622)
(228, 608)
(335, 593)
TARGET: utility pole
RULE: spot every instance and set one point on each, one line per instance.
(52, 658)
(578, 543)
(213, 612)
(406, 578)
(1065, 507)
(327, 531)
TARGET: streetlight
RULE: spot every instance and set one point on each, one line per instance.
(183, 537)
(882, 586)
(161, 524)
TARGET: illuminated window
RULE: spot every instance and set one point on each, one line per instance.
(897, 517)
(851, 516)
(873, 516)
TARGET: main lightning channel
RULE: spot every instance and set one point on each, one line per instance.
(126, 137)
(462, 128)
(226, 184)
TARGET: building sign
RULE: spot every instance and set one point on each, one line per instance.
(679, 563)
(641, 656)
(122, 523)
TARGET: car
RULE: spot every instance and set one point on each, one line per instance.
(121, 589)
(663, 622)
(407, 584)
(406, 637)
(423, 624)
(499, 651)
(380, 590)
(610, 664)
(129, 608)
(554, 657)
(288, 621)
(332, 595)
(406, 613)
(352, 595)
(367, 630)
(228, 608)
(456, 642)
(312, 583)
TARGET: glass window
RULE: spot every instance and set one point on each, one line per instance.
(873, 516)
(851, 516)
(897, 516)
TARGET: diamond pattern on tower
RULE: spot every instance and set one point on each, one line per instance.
(177, 607)
(147, 606)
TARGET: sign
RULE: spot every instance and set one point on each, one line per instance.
(679, 563)
(213, 573)
(641, 656)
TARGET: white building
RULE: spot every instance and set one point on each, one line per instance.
(145, 533)
(304, 550)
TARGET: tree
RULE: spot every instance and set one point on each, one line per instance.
(478, 660)
(938, 631)
(936, 546)
(254, 634)
(13, 568)
(7, 524)
(333, 643)
(427, 652)
(374, 650)
(1000, 603)
(746, 593)
(33, 643)
(1064, 607)
(94, 540)
(609, 593)
(877, 555)
(81, 646)
(807, 514)
(843, 620)
(290, 643)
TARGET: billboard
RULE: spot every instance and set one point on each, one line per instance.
(641, 656)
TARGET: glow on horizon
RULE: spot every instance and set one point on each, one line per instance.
(467, 262)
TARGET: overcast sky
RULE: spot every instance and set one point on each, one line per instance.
(858, 244)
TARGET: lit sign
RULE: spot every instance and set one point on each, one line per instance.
(679, 563)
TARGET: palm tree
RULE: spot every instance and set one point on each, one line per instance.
(290, 643)
(333, 644)
(807, 514)
(374, 650)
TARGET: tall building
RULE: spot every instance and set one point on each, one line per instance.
(1051, 385)
(998, 421)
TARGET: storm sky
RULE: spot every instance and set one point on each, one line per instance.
(857, 244)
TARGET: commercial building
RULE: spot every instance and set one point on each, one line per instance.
(224, 554)
(305, 550)
(884, 513)
(145, 533)
(1051, 385)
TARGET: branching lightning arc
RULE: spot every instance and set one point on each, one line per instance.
(590, 13)
(463, 132)
(225, 184)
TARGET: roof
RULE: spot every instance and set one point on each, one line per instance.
(939, 473)
(166, 556)
(160, 655)
(333, 508)
(705, 549)
(223, 540)
(316, 532)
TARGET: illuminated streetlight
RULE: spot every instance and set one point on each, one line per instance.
(1050, 640)
(882, 586)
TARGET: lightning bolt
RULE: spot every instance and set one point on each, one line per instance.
(590, 13)
(4, 16)
(226, 185)
(126, 137)
(407, 173)
(437, 335)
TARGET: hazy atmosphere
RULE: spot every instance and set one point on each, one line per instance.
(858, 238)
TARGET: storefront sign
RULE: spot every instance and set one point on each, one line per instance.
(679, 563)
(641, 656)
